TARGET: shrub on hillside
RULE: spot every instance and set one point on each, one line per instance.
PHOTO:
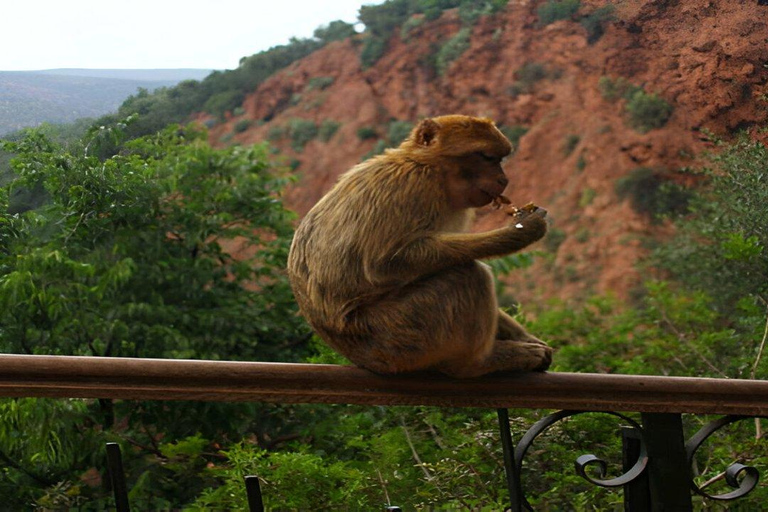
(514, 133)
(410, 24)
(327, 129)
(555, 10)
(571, 141)
(320, 82)
(366, 132)
(301, 132)
(334, 31)
(397, 131)
(612, 89)
(647, 111)
(373, 48)
(594, 22)
(452, 50)
(527, 77)
(652, 195)
(242, 125)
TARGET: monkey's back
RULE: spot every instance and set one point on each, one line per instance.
(340, 247)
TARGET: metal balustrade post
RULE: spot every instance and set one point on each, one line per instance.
(510, 467)
(253, 492)
(637, 497)
(117, 477)
(669, 476)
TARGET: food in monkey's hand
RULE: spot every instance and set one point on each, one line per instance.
(503, 202)
(524, 211)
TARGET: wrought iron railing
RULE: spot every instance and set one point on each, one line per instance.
(657, 461)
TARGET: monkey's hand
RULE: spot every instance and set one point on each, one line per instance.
(528, 221)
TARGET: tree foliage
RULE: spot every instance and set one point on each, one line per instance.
(721, 245)
(168, 249)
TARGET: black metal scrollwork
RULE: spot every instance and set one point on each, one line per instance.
(751, 476)
(584, 461)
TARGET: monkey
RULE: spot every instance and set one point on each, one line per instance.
(385, 269)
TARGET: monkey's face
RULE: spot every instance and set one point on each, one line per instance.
(475, 180)
(468, 150)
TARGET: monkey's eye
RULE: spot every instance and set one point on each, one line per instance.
(489, 158)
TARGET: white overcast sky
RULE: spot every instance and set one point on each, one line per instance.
(119, 34)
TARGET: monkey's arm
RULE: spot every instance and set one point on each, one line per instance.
(437, 251)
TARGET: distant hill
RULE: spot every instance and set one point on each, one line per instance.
(163, 75)
(29, 98)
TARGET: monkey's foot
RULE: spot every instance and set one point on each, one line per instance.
(544, 352)
(521, 356)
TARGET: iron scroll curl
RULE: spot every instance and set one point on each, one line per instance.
(739, 476)
(584, 461)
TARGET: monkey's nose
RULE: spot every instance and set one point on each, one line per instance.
(503, 181)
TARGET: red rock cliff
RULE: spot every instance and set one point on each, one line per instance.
(707, 58)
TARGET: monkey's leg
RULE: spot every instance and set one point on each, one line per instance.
(443, 319)
(510, 329)
(511, 356)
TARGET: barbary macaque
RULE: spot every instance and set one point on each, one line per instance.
(387, 273)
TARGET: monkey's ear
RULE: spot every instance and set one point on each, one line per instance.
(426, 132)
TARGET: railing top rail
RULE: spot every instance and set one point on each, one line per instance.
(174, 379)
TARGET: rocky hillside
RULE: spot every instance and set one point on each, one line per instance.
(568, 90)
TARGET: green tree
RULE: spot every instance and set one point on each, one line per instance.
(334, 31)
(169, 249)
(720, 247)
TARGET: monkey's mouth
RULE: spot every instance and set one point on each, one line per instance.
(492, 196)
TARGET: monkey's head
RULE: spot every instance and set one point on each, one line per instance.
(468, 151)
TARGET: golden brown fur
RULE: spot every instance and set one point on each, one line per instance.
(383, 268)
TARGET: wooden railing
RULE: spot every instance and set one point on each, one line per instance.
(661, 400)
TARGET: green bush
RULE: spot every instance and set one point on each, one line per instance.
(334, 31)
(514, 133)
(320, 82)
(555, 10)
(594, 22)
(571, 141)
(613, 89)
(225, 101)
(301, 132)
(327, 129)
(410, 24)
(652, 195)
(452, 50)
(377, 149)
(276, 132)
(647, 111)
(373, 48)
(527, 77)
(587, 196)
(242, 125)
(722, 249)
(398, 131)
(366, 132)
(581, 163)
(555, 237)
